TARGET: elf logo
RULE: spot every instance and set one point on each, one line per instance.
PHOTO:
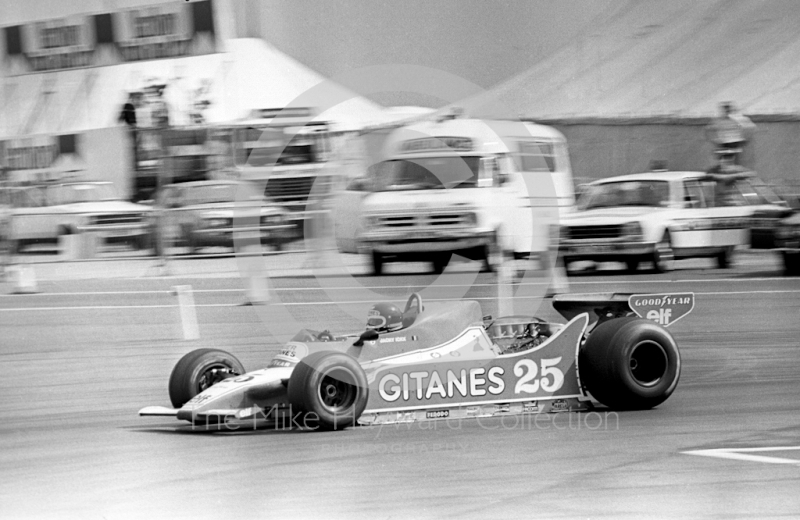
(664, 309)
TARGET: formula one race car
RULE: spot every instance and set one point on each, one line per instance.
(445, 360)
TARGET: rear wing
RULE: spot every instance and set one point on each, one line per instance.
(665, 308)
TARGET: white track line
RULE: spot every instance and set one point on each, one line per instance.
(744, 454)
(352, 302)
(406, 287)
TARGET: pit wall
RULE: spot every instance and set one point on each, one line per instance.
(606, 147)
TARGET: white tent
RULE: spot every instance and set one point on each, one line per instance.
(678, 58)
(248, 74)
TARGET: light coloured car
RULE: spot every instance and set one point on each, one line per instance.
(211, 213)
(45, 213)
(661, 216)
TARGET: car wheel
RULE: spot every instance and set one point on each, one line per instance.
(330, 388)
(724, 258)
(377, 263)
(663, 256)
(440, 262)
(198, 370)
(630, 364)
(492, 255)
(791, 263)
(190, 240)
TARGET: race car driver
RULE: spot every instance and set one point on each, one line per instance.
(384, 317)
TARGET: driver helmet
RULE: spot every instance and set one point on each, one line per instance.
(384, 317)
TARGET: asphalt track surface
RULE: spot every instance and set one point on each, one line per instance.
(82, 356)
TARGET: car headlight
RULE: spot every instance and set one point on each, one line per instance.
(216, 222)
(471, 219)
(370, 222)
(632, 229)
(272, 220)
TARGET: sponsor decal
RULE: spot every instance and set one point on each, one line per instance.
(406, 417)
(142, 33)
(530, 407)
(559, 405)
(289, 355)
(243, 379)
(437, 414)
(198, 399)
(664, 309)
(398, 339)
(503, 408)
(528, 376)
(367, 418)
(473, 410)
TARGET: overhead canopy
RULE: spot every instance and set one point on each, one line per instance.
(249, 74)
(678, 58)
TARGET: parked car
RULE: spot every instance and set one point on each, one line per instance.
(5, 224)
(209, 213)
(46, 213)
(661, 216)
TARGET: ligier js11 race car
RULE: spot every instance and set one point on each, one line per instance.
(445, 360)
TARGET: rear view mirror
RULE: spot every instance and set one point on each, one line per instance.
(367, 335)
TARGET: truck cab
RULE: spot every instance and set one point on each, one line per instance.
(476, 189)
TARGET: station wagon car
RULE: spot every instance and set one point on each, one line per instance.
(661, 216)
(45, 213)
(208, 213)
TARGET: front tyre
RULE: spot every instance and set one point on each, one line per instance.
(630, 364)
(198, 370)
(331, 388)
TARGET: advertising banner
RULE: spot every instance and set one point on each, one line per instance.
(166, 30)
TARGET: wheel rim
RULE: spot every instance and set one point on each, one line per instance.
(337, 391)
(214, 374)
(665, 258)
(648, 363)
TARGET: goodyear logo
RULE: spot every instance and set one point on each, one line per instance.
(664, 309)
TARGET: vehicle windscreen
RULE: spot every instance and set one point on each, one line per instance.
(428, 173)
(76, 193)
(625, 193)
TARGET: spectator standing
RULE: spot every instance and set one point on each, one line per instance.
(128, 114)
(730, 131)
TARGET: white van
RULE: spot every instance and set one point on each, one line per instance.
(479, 189)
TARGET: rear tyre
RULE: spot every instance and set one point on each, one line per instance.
(630, 364)
(198, 370)
(330, 388)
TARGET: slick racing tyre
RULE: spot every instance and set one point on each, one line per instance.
(198, 370)
(330, 388)
(630, 364)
